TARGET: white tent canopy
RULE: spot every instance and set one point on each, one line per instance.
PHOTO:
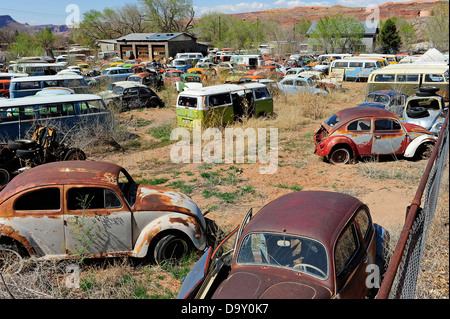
(432, 55)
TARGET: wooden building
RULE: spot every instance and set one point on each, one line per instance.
(156, 46)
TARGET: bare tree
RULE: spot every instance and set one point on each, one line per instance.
(169, 15)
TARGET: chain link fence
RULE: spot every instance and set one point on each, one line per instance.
(402, 273)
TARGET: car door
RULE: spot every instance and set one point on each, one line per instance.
(360, 132)
(39, 211)
(131, 98)
(388, 137)
(351, 261)
(144, 97)
(96, 221)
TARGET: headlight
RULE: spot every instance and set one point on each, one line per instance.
(436, 127)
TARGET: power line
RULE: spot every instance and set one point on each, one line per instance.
(32, 12)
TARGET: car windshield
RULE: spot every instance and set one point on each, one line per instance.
(288, 251)
(380, 98)
(193, 79)
(118, 90)
(428, 103)
(332, 120)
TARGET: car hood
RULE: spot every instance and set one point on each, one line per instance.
(258, 282)
(426, 122)
(190, 86)
(154, 198)
(108, 95)
(415, 128)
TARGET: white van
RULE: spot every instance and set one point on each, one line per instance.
(354, 69)
(189, 55)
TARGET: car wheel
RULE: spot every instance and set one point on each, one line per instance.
(171, 248)
(5, 177)
(340, 156)
(11, 262)
(424, 151)
(75, 154)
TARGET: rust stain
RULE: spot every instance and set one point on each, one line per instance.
(110, 178)
(10, 232)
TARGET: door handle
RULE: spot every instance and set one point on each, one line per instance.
(366, 259)
(377, 137)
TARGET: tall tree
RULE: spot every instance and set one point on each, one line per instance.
(389, 36)
(333, 34)
(438, 31)
(169, 15)
(47, 40)
(25, 45)
(110, 24)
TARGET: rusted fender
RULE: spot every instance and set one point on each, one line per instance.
(157, 198)
(174, 221)
(415, 144)
(19, 234)
(335, 140)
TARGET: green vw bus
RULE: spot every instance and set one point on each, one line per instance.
(222, 104)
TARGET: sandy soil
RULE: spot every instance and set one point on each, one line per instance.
(386, 186)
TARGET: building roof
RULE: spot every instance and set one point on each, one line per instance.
(370, 29)
(150, 37)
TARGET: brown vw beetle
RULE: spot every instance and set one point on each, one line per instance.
(305, 245)
(74, 209)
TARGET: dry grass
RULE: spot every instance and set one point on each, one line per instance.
(110, 279)
(433, 281)
(291, 112)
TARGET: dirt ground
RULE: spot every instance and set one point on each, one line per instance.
(387, 186)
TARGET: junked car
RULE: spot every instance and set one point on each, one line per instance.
(189, 81)
(426, 108)
(151, 79)
(292, 85)
(287, 251)
(391, 100)
(93, 209)
(369, 131)
(129, 95)
(171, 77)
(114, 74)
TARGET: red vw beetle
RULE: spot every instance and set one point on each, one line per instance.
(364, 131)
(303, 245)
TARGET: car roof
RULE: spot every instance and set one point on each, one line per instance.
(320, 215)
(71, 76)
(357, 112)
(388, 92)
(63, 172)
(36, 100)
(128, 84)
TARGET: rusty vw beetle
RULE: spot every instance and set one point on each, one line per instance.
(365, 131)
(304, 245)
(72, 209)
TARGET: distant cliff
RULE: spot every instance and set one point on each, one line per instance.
(8, 21)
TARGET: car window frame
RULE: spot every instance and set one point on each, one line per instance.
(37, 211)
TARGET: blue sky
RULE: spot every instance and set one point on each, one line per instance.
(54, 12)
